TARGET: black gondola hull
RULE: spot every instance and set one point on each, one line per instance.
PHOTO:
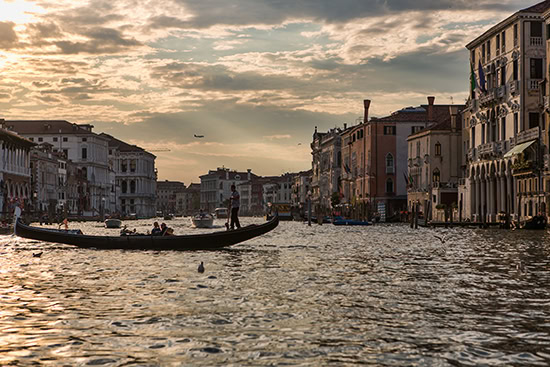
(204, 241)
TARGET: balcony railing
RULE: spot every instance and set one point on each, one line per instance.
(533, 84)
(489, 149)
(501, 91)
(444, 185)
(535, 41)
(472, 154)
(487, 97)
(514, 86)
(527, 135)
(390, 169)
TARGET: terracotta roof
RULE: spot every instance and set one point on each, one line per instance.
(46, 127)
(122, 146)
(537, 8)
(12, 137)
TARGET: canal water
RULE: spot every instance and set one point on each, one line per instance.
(383, 295)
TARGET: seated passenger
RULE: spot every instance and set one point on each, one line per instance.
(169, 232)
(156, 229)
(163, 229)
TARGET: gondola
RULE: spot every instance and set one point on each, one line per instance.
(204, 241)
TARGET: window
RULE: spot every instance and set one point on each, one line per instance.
(503, 39)
(497, 44)
(65, 140)
(124, 187)
(516, 124)
(515, 34)
(123, 165)
(389, 185)
(54, 139)
(31, 139)
(483, 134)
(535, 69)
(503, 75)
(473, 136)
(110, 152)
(503, 128)
(436, 176)
(536, 29)
(389, 163)
(84, 153)
(515, 71)
(133, 165)
(488, 50)
(389, 130)
(418, 149)
(437, 149)
(533, 119)
(416, 129)
(40, 139)
(483, 53)
(66, 152)
(132, 187)
(84, 140)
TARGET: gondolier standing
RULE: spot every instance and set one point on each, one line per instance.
(235, 200)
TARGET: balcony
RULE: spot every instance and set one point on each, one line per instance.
(514, 87)
(527, 135)
(444, 185)
(489, 149)
(487, 98)
(533, 84)
(390, 169)
(417, 161)
(535, 41)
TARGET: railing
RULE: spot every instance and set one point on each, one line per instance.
(534, 84)
(472, 154)
(390, 169)
(501, 91)
(488, 149)
(418, 161)
(487, 97)
(527, 135)
(514, 86)
(535, 41)
(444, 185)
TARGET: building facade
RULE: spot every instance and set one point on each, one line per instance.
(167, 196)
(81, 145)
(136, 178)
(188, 200)
(216, 186)
(326, 151)
(434, 163)
(15, 172)
(504, 119)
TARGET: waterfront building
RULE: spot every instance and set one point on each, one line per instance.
(326, 151)
(503, 117)
(277, 190)
(251, 193)
(15, 171)
(188, 200)
(81, 145)
(353, 178)
(135, 178)
(545, 133)
(301, 186)
(434, 163)
(48, 180)
(167, 195)
(216, 186)
(387, 153)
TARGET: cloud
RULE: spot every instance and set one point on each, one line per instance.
(277, 137)
(8, 37)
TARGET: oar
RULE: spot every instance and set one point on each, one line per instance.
(228, 214)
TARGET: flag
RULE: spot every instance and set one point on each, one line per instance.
(481, 78)
(473, 80)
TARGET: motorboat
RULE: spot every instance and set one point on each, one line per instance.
(202, 220)
(113, 223)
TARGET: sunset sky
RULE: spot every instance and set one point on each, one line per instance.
(253, 76)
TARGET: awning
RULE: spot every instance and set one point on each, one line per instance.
(518, 149)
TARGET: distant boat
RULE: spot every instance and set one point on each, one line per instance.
(168, 216)
(221, 212)
(202, 220)
(113, 223)
(536, 222)
(339, 221)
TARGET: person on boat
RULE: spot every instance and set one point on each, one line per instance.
(169, 232)
(156, 229)
(235, 200)
(163, 229)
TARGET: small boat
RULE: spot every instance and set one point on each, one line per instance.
(220, 213)
(113, 223)
(339, 221)
(168, 216)
(202, 241)
(202, 220)
(536, 222)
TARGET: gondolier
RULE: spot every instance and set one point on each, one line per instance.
(235, 201)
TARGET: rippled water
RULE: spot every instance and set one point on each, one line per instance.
(384, 295)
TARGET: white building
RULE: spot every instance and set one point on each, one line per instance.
(15, 171)
(216, 186)
(85, 148)
(503, 119)
(136, 178)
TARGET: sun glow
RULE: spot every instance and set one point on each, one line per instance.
(17, 11)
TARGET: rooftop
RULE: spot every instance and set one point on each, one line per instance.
(64, 127)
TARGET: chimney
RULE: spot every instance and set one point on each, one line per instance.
(345, 126)
(453, 111)
(431, 100)
(248, 170)
(366, 103)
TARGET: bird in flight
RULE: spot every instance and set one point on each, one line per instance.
(198, 136)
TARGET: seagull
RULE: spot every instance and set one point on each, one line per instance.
(198, 136)
(299, 143)
(201, 268)
(37, 254)
(439, 238)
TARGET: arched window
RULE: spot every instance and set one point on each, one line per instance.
(436, 175)
(389, 185)
(132, 186)
(389, 163)
(124, 187)
(437, 148)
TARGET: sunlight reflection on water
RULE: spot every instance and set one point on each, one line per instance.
(385, 295)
